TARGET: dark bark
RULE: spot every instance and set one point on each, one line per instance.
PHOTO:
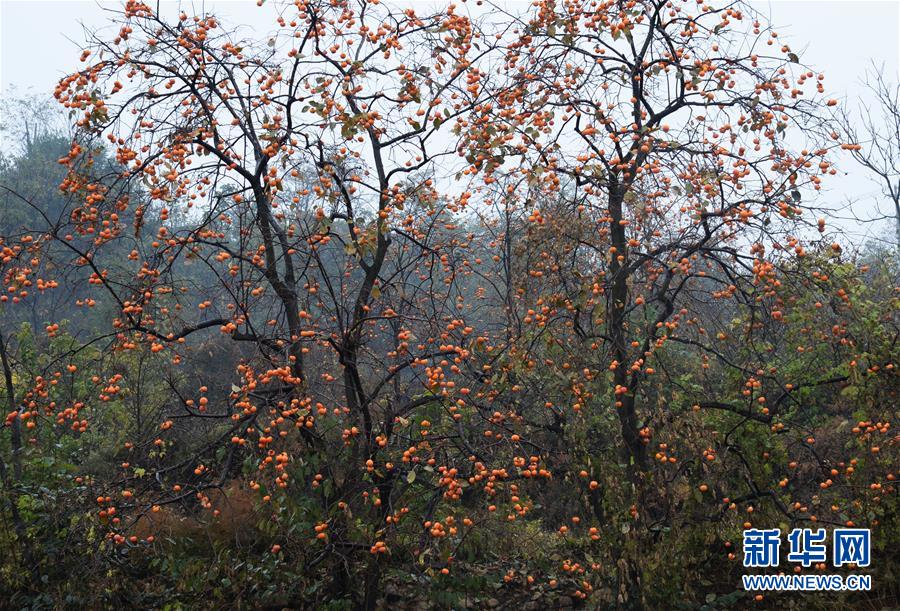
(11, 483)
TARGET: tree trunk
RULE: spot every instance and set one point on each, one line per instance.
(16, 459)
(635, 451)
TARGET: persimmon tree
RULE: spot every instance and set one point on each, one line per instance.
(664, 154)
(283, 194)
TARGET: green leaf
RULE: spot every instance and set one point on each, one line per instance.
(849, 391)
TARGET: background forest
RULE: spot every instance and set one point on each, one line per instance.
(417, 307)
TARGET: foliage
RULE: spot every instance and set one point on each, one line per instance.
(444, 310)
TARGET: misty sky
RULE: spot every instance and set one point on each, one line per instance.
(40, 42)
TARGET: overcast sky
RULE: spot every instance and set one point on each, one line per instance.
(40, 42)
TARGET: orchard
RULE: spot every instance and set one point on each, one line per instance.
(450, 306)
